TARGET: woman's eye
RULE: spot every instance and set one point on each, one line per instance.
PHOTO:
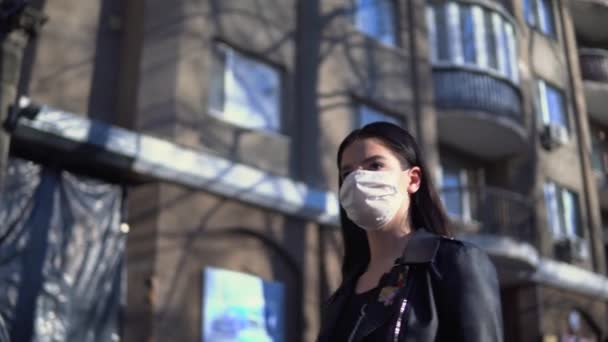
(376, 166)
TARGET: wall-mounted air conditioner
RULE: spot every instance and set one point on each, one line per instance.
(553, 135)
(572, 250)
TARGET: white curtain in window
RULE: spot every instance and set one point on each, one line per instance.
(513, 59)
(251, 93)
(570, 214)
(480, 37)
(542, 103)
(454, 33)
(501, 44)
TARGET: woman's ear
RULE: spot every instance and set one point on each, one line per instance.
(415, 179)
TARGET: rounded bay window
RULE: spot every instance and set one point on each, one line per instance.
(473, 51)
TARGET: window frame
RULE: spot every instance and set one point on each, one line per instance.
(599, 149)
(542, 104)
(535, 9)
(395, 17)
(217, 92)
(464, 192)
(557, 222)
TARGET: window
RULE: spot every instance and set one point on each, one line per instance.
(368, 115)
(562, 212)
(599, 154)
(472, 35)
(551, 105)
(455, 192)
(376, 18)
(245, 91)
(539, 14)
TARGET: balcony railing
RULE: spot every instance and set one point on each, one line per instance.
(492, 211)
(463, 89)
(594, 64)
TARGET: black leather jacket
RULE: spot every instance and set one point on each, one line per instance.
(450, 293)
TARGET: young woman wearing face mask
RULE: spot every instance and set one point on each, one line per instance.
(403, 277)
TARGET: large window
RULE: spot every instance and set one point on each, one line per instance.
(539, 14)
(245, 91)
(562, 212)
(376, 18)
(474, 36)
(551, 105)
(367, 114)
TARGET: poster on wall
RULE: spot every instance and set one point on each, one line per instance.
(239, 307)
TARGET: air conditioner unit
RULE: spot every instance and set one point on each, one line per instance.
(572, 250)
(553, 136)
(580, 249)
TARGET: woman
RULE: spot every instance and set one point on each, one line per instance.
(404, 279)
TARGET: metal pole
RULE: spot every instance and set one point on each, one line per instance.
(19, 22)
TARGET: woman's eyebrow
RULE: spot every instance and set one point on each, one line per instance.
(365, 161)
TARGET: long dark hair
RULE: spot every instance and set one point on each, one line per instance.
(426, 210)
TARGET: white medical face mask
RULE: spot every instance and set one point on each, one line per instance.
(371, 198)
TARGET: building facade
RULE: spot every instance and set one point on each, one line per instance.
(223, 119)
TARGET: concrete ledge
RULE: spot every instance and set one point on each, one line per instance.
(568, 277)
(153, 158)
(505, 247)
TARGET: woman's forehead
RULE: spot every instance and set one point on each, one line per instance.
(362, 149)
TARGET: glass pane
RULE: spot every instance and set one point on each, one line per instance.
(216, 87)
(596, 152)
(529, 12)
(443, 49)
(555, 105)
(368, 115)
(251, 93)
(452, 192)
(490, 41)
(545, 11)
(553, 213)
(468, 34)
(377, 19)
(570, 213)
(430, 22)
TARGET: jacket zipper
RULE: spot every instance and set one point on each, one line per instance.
(399, 320)
(354, 331)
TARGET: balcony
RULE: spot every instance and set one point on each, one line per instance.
(478, 112)
(497, 220)
(589, 17)
(594, 70)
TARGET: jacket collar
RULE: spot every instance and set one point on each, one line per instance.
(421, 248)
